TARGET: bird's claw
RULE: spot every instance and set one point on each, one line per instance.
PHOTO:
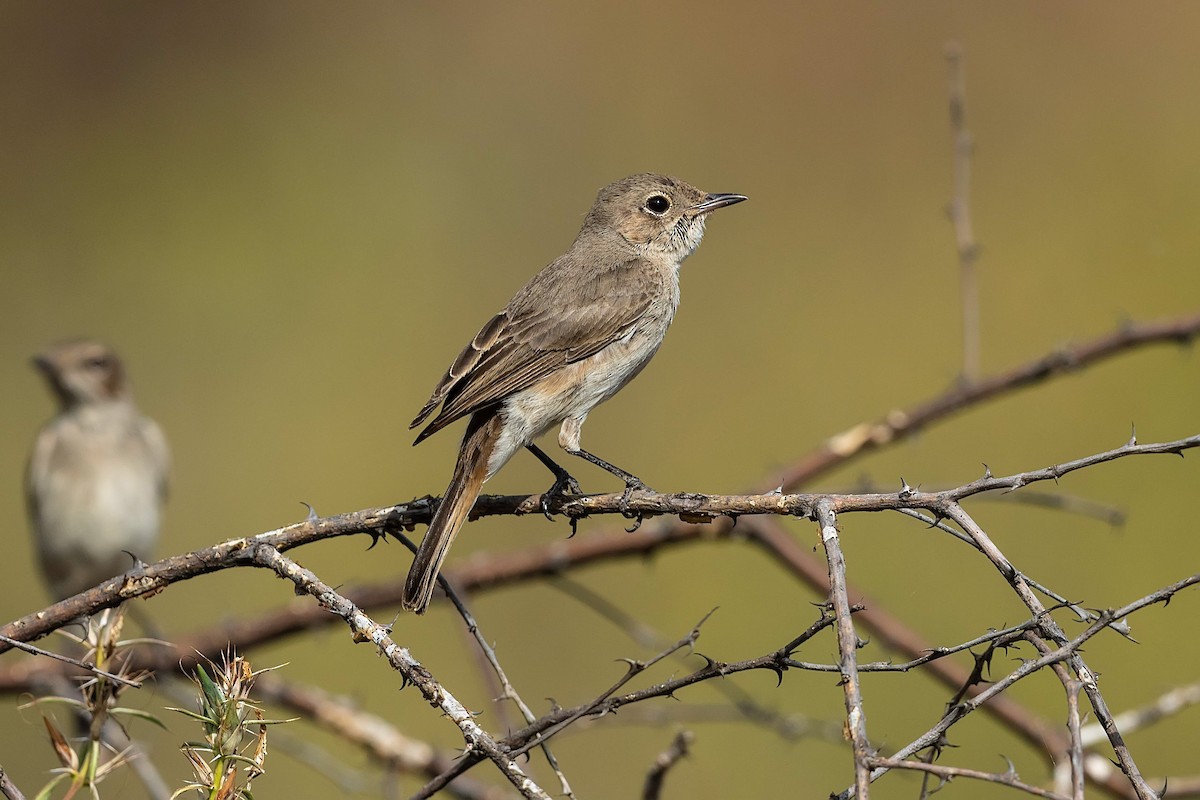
(632, 486)
(563, 485)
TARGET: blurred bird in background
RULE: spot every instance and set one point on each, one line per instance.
(97, 476)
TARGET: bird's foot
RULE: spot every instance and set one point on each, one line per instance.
(632, 484)
(564, 484)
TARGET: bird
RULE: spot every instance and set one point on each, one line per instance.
(568, 340)
(97, 476)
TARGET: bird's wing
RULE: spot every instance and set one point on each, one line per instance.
(38, 469)
(589, 309)
(160, 454)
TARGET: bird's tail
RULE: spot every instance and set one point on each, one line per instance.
(469, 474)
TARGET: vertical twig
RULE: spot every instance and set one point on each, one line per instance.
(960, 213)
(856, 720)
(1074, 728)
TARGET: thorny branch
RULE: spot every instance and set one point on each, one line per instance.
(365, 629)
(690, 508)
(947, 774)
(848, 644)
(153, 578)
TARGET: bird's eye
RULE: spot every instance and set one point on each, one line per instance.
(98, 362)
(658, 204)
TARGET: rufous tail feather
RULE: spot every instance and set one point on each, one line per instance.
(453, 509)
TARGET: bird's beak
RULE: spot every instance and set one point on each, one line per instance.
(41, 363)
(711, 202)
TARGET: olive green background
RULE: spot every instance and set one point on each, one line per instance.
(290, 217)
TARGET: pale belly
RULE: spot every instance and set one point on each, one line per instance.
(573, 391)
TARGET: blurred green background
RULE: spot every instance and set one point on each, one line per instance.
(290, 217)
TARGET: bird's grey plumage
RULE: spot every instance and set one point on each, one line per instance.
(97, 476)
(525, 343)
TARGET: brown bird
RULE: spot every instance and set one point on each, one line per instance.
(97, 477)
(575, 334)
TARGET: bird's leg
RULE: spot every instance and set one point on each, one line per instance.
(568, 439)
(563, 481)
(632, 482)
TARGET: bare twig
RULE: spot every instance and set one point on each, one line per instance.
(666, 759)
(960, 213)
(899, 424)
(366, 629)
(489, 655)
(744, 706)
(1171, 702)
(1069, 504)
(848, 643)
(8, 788)
(1008, 778)
(1027, 668)
(374, 735)
(556, 721)
(1073, 726)
(1052, 631)
(37, 651)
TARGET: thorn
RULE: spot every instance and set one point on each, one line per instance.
(906, 491)
(987, 472)
(778, 669)
(312, 512)
(1133, 435)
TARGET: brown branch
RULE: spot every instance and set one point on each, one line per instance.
(899, 424)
